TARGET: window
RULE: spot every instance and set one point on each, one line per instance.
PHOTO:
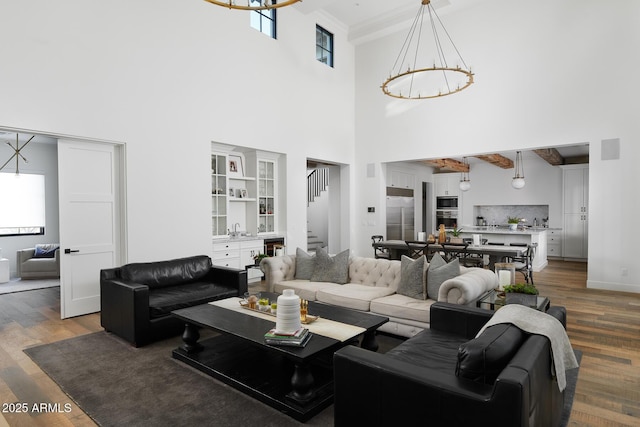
(264, 20)
(22, 204)
(324, 46)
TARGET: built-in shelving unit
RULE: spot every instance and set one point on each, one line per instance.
(219, 194)
(266, 196)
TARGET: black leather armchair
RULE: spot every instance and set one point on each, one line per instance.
(422, 382)
(137, 299)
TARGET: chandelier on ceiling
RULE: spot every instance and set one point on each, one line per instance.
(441, 77)
(253, 4)
(17, 153)
(517, 181)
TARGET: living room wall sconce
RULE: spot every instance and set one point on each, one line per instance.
(253, 4)
(17, 154)
(518, 180)
(465, 182)
(408, 80)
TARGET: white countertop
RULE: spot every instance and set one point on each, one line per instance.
(245, 238)
(498, 230)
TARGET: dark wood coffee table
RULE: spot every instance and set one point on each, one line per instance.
(296, 381)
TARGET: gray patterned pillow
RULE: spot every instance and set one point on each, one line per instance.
(305, 264)
(438, 272)
(412, 275)
(331, 268)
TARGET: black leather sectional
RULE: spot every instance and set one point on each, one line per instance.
(444, 377)
(137, 299)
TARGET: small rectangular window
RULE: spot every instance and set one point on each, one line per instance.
(324, 46)
(264, 20)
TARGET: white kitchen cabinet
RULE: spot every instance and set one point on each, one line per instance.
(576, 211)
(554, 243)
(238, 254)
(402, 180)
(447, 184)
(226, 254)
(219, 194)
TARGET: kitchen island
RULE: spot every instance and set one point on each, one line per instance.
(504, 236)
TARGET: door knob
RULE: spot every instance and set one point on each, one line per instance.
(68, 251)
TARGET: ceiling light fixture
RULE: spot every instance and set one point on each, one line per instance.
(465, 182)
(253, 4)
(407, 80)
(17, 154)
(518, 179)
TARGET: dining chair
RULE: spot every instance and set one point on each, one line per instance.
(417, 248)
(524, 264)
(379, 252)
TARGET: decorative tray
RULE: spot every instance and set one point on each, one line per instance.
(245, 304)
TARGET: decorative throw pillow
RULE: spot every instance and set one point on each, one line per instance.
(438, 272)
(305, 265)
(412, 274)
(46, 250)
(333, 269)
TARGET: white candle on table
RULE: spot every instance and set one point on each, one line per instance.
(504, 278)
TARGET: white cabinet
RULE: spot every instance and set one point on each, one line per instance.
(447, 184)
(238, 254)
(576, 211)
(219, 194)
(244, 191)
(402, 180)
(226, 254)
(554, 243)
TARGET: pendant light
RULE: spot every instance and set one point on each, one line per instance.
(465, 182)
(518, 179)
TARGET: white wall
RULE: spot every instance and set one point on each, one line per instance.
(43, 159)
(547, 73)
(166, 78)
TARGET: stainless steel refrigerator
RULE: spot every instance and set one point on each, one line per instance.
(400, 214)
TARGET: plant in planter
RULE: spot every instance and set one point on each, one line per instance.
(521, 293)
(456, 234)
(521, 288)
(258, 258)
(513, 222)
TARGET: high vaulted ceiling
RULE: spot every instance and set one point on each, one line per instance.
(368, 19)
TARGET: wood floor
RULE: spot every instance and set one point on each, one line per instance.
(604, 325)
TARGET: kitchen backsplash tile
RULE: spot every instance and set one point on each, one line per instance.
(498, 214)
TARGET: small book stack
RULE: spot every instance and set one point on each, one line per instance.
(298, 338)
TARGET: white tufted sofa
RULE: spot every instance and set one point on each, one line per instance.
(372, 287)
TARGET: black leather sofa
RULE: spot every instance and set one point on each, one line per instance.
(137, 299)
(444, 377)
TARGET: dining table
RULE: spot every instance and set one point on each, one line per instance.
(495, 253)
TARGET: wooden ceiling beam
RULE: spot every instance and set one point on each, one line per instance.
(497, 160)
(448, 164)
(551, 156)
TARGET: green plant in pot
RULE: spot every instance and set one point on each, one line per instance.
(521, 288)
(258, 258)
(455, 232)
(513, 222)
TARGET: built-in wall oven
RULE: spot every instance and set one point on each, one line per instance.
(447, 211)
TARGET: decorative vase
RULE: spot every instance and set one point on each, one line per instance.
(288, 314)
(513, 227)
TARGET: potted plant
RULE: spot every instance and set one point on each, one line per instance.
(455, 232)
(513, 222)
(521, 293)
(258, 258)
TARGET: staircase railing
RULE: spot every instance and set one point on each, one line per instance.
(317, 182)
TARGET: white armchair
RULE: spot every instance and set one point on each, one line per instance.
(41, 262)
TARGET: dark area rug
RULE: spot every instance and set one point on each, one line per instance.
(117, 384)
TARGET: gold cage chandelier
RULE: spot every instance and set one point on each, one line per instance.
(253, 4)
(407, 80)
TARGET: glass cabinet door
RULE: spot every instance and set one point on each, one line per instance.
(219, 194)
(266, 196)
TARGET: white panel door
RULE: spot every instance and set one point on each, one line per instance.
(87, 193)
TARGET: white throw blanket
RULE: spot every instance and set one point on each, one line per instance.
(537, 322)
